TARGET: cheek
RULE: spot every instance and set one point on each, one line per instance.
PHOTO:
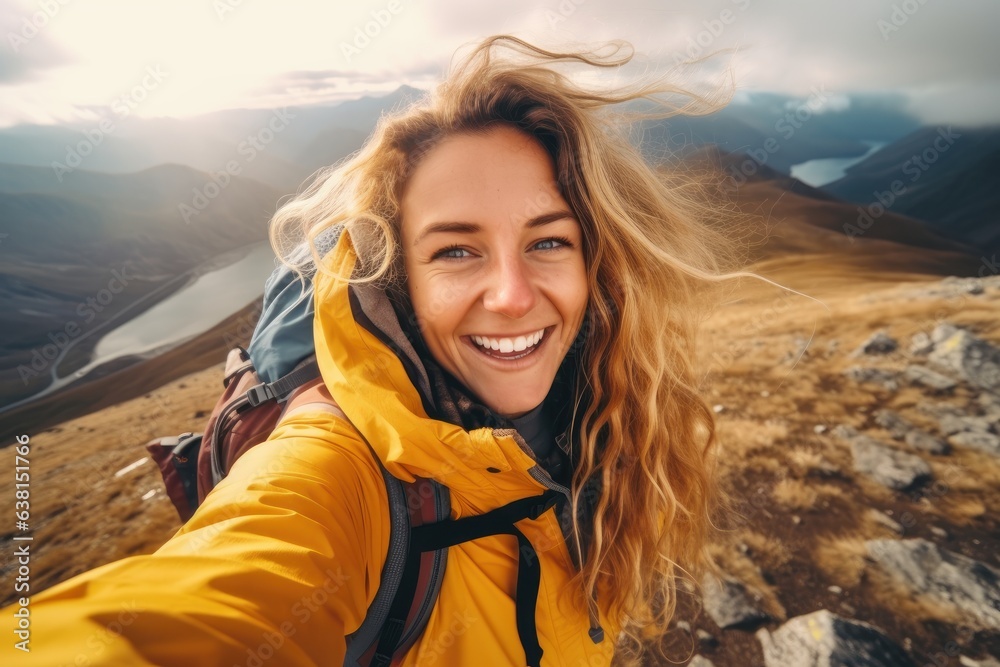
(575, 295)
(437, 304)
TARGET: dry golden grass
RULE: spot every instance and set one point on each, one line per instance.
(842, 558)
(798, 494)
(893, 594)
(83, 514)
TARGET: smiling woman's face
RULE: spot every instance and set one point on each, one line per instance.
(494, 262)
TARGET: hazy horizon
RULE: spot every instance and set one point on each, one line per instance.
(64, 63)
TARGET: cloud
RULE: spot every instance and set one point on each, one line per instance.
(940, 53)
(27, 50)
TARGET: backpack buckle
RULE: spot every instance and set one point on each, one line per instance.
(259, 394)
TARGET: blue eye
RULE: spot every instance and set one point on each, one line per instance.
(446, 253)
(562, 241)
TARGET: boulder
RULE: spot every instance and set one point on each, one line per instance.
(823, 639)
(974, 360)
(926, 442)
(984, 442)
(878, 343)
(947, 578)
(921, 344)
(925, 377)
(730, 604)
(868, 375)
(951, 424)
(887, 466)
(894, 422)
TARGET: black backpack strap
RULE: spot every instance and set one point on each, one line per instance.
(283, 386)
(444, 534)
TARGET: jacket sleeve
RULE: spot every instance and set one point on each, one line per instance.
(278, 564)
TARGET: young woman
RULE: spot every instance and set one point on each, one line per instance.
(508, 308)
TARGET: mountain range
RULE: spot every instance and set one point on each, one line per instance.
(158, 197)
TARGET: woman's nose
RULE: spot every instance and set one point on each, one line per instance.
(509, 290)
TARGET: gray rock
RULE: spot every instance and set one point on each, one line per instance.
(893, 422)
(950, 424)
(921, 344)
(945, 577)
(984, 442)
(969, 285)
(868, 375)
(730, 604)
(943, 332)
(823, 639)
(878, 343)
(925, 377)
(887, 466)
(990, 404)
(700, 661)
(973, 359)
(939, 410)
(926, 442)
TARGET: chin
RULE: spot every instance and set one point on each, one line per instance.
(526, 403)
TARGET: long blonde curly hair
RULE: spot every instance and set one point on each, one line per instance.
(650, 254)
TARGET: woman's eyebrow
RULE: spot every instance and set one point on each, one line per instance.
(472, 227)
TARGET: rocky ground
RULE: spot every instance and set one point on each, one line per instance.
(861, 448)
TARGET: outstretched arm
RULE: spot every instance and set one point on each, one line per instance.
(274, 564)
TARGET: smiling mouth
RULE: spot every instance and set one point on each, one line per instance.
(510, 349)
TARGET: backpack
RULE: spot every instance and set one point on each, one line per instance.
(421, 529)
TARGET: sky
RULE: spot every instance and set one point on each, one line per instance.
(70, 60)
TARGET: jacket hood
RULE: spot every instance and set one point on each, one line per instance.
(376, 367)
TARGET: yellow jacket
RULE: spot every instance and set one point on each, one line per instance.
(284, 556)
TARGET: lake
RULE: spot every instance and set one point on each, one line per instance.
(818, 173)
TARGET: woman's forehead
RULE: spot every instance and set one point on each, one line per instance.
(503, 178)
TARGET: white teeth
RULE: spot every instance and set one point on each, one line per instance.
(507, 345)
